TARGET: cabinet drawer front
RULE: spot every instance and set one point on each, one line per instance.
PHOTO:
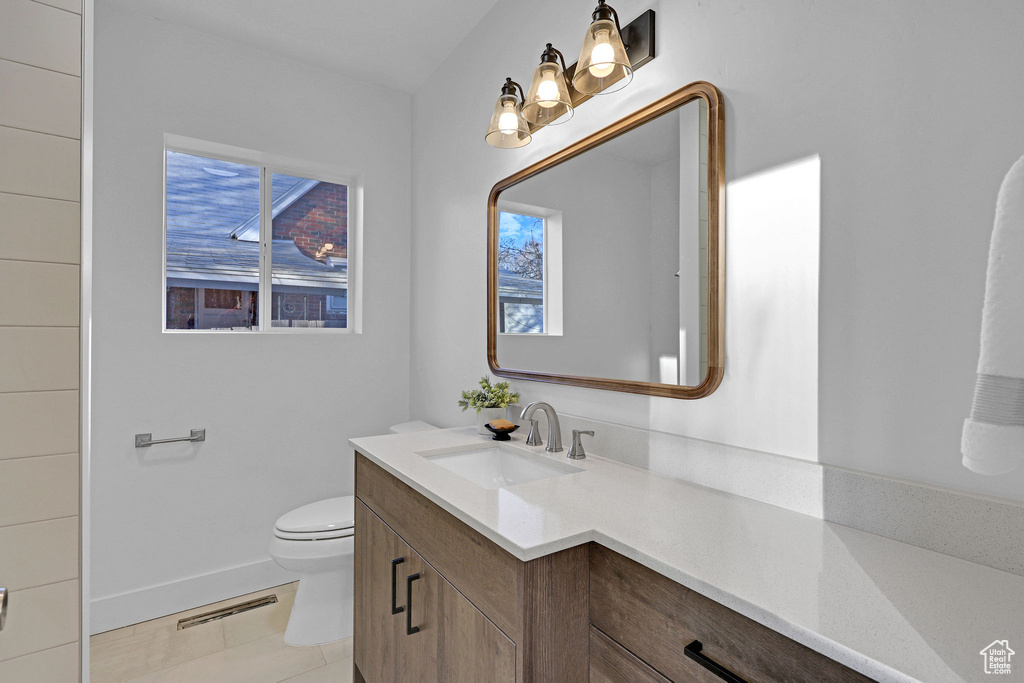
(655, 618)
(483, 571)
(612, 663)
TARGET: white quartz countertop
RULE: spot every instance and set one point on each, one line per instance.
(892, 611)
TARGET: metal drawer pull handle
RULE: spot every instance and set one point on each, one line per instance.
(693, 651)
(395, 609)
(3, 608)
(409, 628)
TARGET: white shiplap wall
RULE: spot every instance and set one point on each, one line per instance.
(40, 229)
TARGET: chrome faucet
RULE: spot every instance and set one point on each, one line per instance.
(554, 429)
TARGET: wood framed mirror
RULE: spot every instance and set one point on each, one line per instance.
(605, 262)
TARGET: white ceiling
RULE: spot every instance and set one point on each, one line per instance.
(394, 43)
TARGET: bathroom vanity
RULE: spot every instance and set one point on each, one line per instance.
(438, 601)
(614, 573)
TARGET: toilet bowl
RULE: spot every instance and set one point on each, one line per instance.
(317, 541)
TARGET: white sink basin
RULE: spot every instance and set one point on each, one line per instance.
(494, 468)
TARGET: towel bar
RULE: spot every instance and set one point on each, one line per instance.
(143, 440)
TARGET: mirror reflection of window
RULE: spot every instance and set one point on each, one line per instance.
(521, 273)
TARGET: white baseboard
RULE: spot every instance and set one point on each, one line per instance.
(136, 606)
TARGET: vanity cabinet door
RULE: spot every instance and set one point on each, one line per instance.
(419, 625)
(472, 649)
(377, 634)
(393, 641)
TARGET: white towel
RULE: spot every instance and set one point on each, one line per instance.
(993, 438)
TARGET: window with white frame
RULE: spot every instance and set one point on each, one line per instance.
(251, 245)
(529, 269)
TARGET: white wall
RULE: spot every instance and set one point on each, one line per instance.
(278, 409)
(668, 227)
(907, 190)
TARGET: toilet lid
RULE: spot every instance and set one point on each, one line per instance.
(334, 515)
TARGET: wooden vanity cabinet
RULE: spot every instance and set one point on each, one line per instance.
(483, 615)
(578, 615)
(413, 625)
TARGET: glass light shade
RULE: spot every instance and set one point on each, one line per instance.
(508, 128)
(547, 102)
(603, 66)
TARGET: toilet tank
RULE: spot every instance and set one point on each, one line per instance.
(414, 426)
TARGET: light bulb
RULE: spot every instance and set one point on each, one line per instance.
(508, 122)
(547, 91)
(602, 57)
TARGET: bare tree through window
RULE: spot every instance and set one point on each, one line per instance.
(521, 273)
(521, 245)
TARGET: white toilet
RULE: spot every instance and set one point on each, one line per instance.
(318, 540)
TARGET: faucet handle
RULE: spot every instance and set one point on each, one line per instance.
(534, 438)
(576, 451)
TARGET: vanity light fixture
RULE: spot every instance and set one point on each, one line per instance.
(610, 55)
(603, 66)
(508, 128)
(547, 102)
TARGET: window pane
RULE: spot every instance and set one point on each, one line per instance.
(520, 273)
(212, 257)
(309, 253)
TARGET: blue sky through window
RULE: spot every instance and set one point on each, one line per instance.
(520, 228)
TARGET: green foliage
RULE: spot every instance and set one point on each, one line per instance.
(488, 396)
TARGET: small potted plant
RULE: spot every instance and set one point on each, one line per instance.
(490, 400)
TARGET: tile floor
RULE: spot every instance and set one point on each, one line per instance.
(247, 648)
